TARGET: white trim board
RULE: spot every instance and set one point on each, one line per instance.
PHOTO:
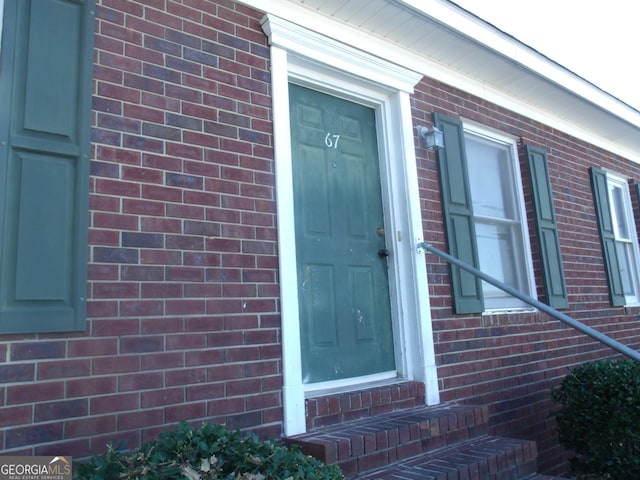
(313, 60)
(589, 113)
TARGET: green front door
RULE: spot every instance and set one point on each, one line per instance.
(345, 316)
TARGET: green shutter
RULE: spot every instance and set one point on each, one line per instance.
(45, 90)
(552, 272)
(458, 212)
(607, 235)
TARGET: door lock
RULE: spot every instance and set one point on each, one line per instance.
(383, 252)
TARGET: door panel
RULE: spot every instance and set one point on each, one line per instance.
(345, 315)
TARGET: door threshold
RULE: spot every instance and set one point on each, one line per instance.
(352, 384)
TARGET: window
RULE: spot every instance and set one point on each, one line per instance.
(498, 213)
(485, 220)
(625, 235)
(618, 236)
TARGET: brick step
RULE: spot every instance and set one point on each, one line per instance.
(539, 476)
(375, 442)
(483, 458)
(368, 402)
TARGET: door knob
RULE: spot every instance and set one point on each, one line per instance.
(383, 252)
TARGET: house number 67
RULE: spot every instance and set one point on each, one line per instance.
(331, 141)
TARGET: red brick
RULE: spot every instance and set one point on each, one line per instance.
(34, 434)
(114, 403)
(225, 406)
(61, 410)
(207, 391)
(19, 415)
(140, 381)
(261, 369)
(162, 325)
(114, 327)
(239, 290)
(85, 387)
(107, 204)
(103, 237)
(115, 290)
(160, 101)
(112, 220)
(185, 151)
(145, 175)
(205, 357)
(224, 245)
(49, 370)
(120, 364)
(139, 81)
(162, 361)
(138, 419)
(90, 426)
(37, 350)
(141, 344)
(186, 342)
(260, 337)
(186, 274)
(221, 373)
(184, 413)
(161, 162)
(204, 324)
(263, 401)
(35, 392)
(141, 308)
(166, 396)
(243, 387)
(160, 290)
(186, 376)
(185, 211)
(161, 257)
(164, 225)
(202, 290)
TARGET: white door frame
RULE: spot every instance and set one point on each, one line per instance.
(313, 60)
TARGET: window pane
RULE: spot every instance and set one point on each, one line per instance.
(499, 259)
(491, 178)
(627, 272)
(619, 214)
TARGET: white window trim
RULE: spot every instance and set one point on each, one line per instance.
(475, 128)
(623, 182)
(310, 59)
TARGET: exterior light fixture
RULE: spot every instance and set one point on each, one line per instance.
(433, 137)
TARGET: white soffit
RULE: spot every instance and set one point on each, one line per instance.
(444, 42)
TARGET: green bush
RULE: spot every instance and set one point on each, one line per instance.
(210, 452)
(599, 418)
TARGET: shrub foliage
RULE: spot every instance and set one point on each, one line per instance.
(207, 453)
(599, 418)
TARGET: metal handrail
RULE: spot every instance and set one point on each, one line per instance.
(581, 327)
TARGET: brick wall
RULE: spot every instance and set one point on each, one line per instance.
(183, 318)
(183, 314)
(510, 361)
